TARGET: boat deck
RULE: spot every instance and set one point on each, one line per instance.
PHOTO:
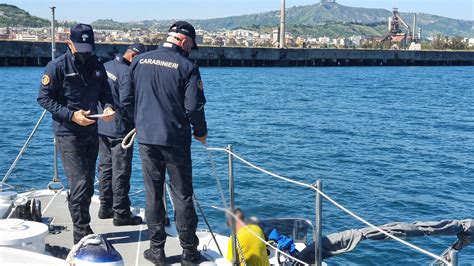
(130, 241)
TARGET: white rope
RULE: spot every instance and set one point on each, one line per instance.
(257, 236)
(130, 138)
(357, 217)
(72, 253)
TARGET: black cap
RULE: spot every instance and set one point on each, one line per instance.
(185, 28)
(82, 36)
(137, 48)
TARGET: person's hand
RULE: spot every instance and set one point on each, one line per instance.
(80, 118)
(109, 114)
(202, 139)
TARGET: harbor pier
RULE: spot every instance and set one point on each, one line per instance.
(21, 53)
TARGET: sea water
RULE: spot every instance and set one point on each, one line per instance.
(392, 144)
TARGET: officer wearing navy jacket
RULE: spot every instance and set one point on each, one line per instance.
(115, 163)
(164, 93)
(71, 88)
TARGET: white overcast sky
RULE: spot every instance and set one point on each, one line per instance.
(132, 10)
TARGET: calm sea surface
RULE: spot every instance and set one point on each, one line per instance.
(391, 144)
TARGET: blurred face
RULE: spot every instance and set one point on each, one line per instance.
(81, 58)
(239, 219)
(129, 55)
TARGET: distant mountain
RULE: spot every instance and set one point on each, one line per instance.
(13, 16)
(322, 19)
(318, 15)
(309, 15)
(326, 18)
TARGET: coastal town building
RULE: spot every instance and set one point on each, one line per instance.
(231, 38)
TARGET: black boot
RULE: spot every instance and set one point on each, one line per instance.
(156, 256)
(126, 219)
(105, 212)
(191, 257)
(79, 234)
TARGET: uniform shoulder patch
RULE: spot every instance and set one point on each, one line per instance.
(45, 80)
(200, 85)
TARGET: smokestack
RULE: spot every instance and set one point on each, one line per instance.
(390, 23)
(414, 27)
(282, 43)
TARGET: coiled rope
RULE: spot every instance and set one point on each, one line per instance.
(127, 142)
(357, 217)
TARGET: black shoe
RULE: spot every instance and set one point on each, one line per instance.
(189, 257)
(156, 256)
(127, 219)
(105, 212)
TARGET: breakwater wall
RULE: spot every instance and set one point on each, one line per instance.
(19, 53)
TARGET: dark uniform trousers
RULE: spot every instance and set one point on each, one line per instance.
(79, 155)
(156, 160)
(115, 169)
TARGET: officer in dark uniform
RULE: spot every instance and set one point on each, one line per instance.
(165, 94)
(71, 88)
(115, 163)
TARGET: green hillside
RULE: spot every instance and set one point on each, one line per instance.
(109, 24)
(318, 16)
(13, 16)
(330, 29)
(321, 19)
(309, 15)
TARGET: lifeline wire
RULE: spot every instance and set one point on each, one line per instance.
(27, 142)
(214, 173)
(357, 217)
(51, 201)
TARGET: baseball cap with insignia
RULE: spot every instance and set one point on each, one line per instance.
(82, 36)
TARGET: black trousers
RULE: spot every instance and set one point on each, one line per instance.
(156, 160)
(79, 155)
(115, 169)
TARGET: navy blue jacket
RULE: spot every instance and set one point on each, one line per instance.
(67, 87)
(163, 92)
(120, 126)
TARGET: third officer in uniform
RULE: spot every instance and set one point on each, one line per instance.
(115, 163)
(164, 93)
